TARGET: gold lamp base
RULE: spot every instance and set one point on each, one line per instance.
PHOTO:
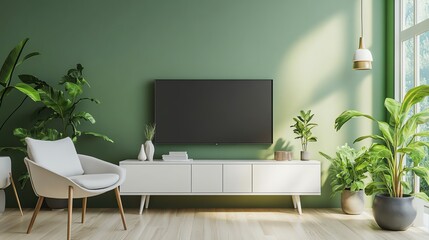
(362, 65)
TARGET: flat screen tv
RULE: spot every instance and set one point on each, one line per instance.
(214, 111)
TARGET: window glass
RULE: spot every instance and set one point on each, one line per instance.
(408, 65)
(407, 13)
(422, 10)
(423, 68)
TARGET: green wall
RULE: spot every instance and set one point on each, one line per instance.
(305, 46)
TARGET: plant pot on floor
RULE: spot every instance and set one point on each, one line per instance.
(55, 204)
(352, 202)
(392, 213)
(305, 155)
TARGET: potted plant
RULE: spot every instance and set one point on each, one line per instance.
(398, 139)
(6, 86)
(60, 116)
(12, 61)
(149, 147)
(302, 128)
(347, 171)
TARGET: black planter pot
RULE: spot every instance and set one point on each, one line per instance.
(54, 203)
(396, 214)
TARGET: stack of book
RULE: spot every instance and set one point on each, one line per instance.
(176, 156)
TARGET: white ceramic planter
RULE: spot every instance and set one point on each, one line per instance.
(150, 150)
(352, 202)
(142, 154)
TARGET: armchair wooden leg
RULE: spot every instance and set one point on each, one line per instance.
(121, 210)
(36, 211)
(84, 201)
(70, 211)
(16, 193)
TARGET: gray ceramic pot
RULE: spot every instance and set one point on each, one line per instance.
(352, 202)
(305, 155)
(54, 203)
(396, 214)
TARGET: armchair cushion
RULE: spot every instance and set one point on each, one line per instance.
(95, 181)
(58, 156)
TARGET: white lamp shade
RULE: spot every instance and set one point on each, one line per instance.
(362, 54)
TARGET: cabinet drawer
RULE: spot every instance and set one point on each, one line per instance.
(286, 178)
(207, 178)
(237, 178)
(157, 178)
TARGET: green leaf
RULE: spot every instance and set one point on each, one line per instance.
(85, 116)
(10, 63)
(55, 100)
(19, 149)
(422, 172)
(413, 96)
(73, 89)
(104, 137)
(30, 79)
(347, 115)
(30, 55)
(422, 196)
(375, 137)
(386, 130)
(23, 179)
(28, 90)
(393, 107)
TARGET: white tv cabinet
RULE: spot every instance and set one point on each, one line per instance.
(221, 177)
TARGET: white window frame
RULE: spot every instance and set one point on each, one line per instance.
(400, 37)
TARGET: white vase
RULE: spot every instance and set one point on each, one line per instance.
(142, 154)
(150, 150)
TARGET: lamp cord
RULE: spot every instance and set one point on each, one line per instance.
(361, 18)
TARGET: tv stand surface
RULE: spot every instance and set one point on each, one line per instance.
(221, 177)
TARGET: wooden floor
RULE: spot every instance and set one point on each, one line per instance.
(198, 224)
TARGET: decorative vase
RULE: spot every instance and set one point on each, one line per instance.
(392, 213)
(150, 150)
(352, 202)
(305, 155)
(142, 154)
(283, 155)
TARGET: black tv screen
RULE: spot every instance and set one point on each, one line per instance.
(213, 111)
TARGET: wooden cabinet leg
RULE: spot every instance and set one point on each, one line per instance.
(142, 203)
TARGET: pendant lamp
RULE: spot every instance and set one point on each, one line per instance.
(362, 59)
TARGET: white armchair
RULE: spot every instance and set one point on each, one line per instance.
(57, 171)
(6, 180)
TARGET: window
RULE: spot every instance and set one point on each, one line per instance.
(412, 46)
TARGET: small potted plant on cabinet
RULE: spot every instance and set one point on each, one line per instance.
(398, 139)
(347, 172)
(302, 128)
(149, 147)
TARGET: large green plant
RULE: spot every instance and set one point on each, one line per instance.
(348, 169)
(303, 127)
(398, 138)
(61, 108)
(12, 61)
(60, 114)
